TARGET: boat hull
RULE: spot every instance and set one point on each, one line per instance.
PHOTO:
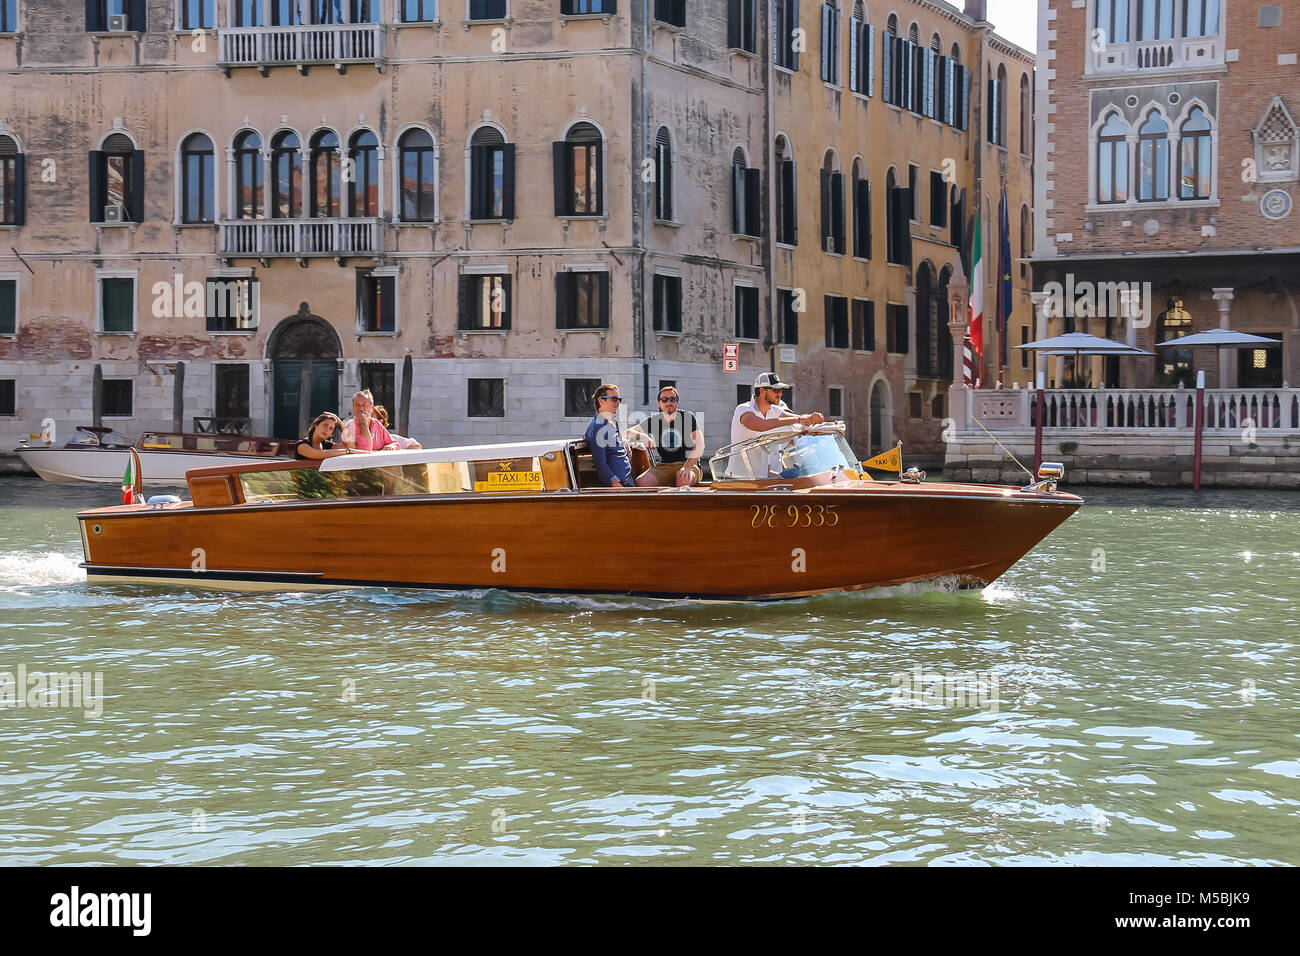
(107, 465)
(697, 544)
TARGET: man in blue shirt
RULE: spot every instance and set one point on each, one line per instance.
(607, 448)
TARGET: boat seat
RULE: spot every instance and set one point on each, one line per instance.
(584, 465)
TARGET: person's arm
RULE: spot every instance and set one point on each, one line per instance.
(754, 423)
(317, 454)
(350, 433)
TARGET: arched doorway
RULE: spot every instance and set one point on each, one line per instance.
(304, 352)
(880, 417)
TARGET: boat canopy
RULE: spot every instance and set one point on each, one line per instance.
(428, 456)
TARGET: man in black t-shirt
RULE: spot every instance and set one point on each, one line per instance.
(674, 433)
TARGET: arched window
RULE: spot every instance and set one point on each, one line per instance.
(492, 175)
(578, 173)
(419, 189)
(663, 176)
(12, 182)
(1200, 18)
(1112, 21)
(249, 186)
(888, 90)
(363, 189)
(286, 176)
(325, 175)
(1153, 159)
(929, 318)
(1194, 181)
(1112, 161)
(787, 210)
(914, 33)
(117, 178)
(832, 204)
(1155, 19)
(1174, 366)
(745, 189)
(955, 54)
(1001, 114)
(861, 212)
(936, 44)
(1026, 117)
(197, 189)
(830, 43)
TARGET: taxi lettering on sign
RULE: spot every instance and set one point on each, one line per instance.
(511, 481)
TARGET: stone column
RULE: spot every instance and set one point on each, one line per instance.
(1227, 374)
(958, 288)
(1129, 302)
(909, 360)
(1039, 299)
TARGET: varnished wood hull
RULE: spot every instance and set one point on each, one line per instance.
(703, 544)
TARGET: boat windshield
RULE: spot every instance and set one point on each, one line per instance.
(785, 454)
(394, 481)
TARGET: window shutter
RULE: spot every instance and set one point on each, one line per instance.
(137, 18)
(825, 224)
(907, 202)
(136, 199)
(604, 300)
(789, 37)
(853, 55)
(20, 190)
(871, 60)
(963, 106)
(754, 201)
(869, 325)
(600, 178)
(477, 182)
(563, 298)
(733, 23)
(508, 181)
(507, 302)
(96, 186)
(867, 254)
(387, 288)
(738, 204)
(837, 210)
(668, 182)
(675, 303)
(94, 23)
(828, 306)
(465, 302)
(990, 106)
(794, 203)
(561, 178)
(887, 68)
(826, 42)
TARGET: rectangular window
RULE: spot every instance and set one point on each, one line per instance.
(741, 34)
(419, 11)
(746, 312)
(837, 322)
(376, 297)
(668, 303)
(231, 303)
(577, 397)
(13, 184)
(830, 45)
(938, 200)
(486, 398)
(492, 181)
(785, 16)
(8, 398)
(671, 11)
(896, 329)
(115, 398)
(835, 402)
(487, 9)
(8, 306)
(231, 405)
(864, 325)
(381, 379)
(787, 319)
(582, 300)
(8, 16)
(199, 15)
(484, 302)
(914, 405)
(116, 305)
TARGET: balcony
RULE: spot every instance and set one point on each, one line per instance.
(336, 45)
(1143, 56)
(301, 238)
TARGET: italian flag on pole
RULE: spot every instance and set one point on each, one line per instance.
(977, 291)
(128, 483)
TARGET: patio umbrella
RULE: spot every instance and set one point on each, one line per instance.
(1081, 343)
(1219, 338)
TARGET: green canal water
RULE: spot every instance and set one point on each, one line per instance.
(1131, 697)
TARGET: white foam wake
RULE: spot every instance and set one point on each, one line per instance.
(40, 568)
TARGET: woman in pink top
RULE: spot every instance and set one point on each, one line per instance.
(363, 430)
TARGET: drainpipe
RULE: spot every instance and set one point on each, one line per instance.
(769, 248)
(643, 339)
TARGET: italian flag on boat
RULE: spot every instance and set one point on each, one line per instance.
(128, 483)
(977, 291)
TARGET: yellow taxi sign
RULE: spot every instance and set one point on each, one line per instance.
(511, 481)
(891, 460)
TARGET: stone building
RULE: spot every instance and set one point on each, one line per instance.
(239, 211)
(1169, 165)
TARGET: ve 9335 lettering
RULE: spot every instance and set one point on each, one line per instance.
(793, 516)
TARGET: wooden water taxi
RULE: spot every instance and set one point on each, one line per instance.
(788, 514)
(100, 455)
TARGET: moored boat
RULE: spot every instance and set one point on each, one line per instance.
(788, 514)
(100, 455)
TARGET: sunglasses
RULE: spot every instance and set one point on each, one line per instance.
(668, 399)
(613, 398)
(779, 391)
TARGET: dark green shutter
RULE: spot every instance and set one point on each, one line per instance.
(94, 22)
(508, 181)
(560, 176)
(563, 298)
(600, 178)
(96, 186)
(789, 39)
(507, 296)
(465, 302)
(136, 15)
(478, 182)
(20, 190)
(825, 223)
(754, 201)
(837, 211)
(828, 306)
(136, 200)
(733, 23)
(604, 300)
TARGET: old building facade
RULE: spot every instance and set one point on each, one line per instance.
(1170, 164)
(241, 210)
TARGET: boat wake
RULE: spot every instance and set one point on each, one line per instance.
(39, 569)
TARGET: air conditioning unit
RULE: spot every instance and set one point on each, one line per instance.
(117, 23)
(115, 212)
